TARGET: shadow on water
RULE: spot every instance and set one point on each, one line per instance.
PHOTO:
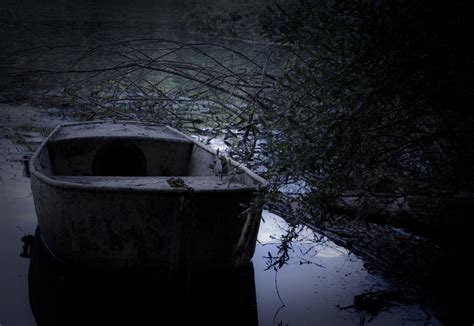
(61, 296)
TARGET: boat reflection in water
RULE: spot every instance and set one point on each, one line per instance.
(61, 296)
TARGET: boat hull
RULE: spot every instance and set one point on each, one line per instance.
(130, 230)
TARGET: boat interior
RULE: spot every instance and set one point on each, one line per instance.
(95, 158)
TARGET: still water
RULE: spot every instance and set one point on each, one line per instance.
(315, 287)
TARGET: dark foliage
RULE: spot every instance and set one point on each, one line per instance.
(374, 113)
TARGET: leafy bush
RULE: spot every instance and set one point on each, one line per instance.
(374, 112)
(237, 19)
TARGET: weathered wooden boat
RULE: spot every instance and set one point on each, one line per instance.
(134, 196)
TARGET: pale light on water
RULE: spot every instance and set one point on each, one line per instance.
(318, 280)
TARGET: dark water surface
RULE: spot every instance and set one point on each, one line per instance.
(319, 279)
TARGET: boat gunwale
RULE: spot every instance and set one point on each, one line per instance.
(261, 184)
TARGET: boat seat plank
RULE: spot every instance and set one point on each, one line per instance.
(156, 182)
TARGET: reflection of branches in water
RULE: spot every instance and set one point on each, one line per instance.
(291, 241)
(281, 300)
(285, 245)
(304, 261)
